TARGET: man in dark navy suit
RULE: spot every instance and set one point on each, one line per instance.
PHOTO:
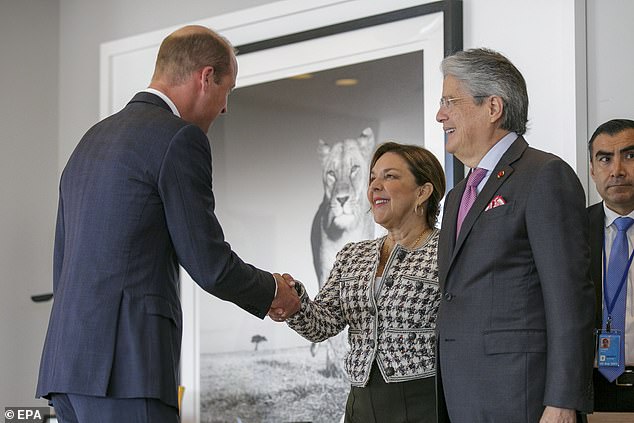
(135, 202)
(611, 149)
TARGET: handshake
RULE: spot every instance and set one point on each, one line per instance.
(286, 301)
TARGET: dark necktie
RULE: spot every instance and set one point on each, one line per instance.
(616, 268)
(469, 195)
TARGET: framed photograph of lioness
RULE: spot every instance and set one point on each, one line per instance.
(320, 84)
(291, 163)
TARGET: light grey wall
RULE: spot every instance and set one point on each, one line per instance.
(28, 171)
(610, 65)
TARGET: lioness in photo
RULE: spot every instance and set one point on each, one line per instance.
(342, 217)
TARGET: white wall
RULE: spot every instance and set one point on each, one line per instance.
(38, 74)
(610, 65)
(28, 171)
(538, 36)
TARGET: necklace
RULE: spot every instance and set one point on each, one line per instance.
(411, 247)
(413, 244)
(385, 250)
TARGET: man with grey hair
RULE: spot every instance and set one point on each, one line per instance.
(135, 202)
(514, 331)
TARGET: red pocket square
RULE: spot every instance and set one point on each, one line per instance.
(496, 202)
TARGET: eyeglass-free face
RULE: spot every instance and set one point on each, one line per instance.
(612, 169)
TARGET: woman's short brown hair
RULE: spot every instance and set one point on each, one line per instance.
(424, 166)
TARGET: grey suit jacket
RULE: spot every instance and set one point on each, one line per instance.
(136, 201)
(514, 330)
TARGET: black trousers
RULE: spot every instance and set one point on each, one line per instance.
(610, 397)
(401, 402)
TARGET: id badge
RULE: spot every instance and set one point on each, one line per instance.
(609, 350)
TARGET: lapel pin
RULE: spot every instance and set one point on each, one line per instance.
(500, 174)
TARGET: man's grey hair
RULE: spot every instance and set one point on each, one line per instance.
(484, 73)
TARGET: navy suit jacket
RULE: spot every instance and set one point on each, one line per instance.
(605, 399)
(515, 323)
(136, 201)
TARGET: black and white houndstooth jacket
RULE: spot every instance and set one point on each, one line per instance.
(394, 326)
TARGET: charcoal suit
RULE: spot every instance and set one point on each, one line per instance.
(514, 330)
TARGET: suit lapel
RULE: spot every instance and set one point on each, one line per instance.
(447, 239)
(498, 177)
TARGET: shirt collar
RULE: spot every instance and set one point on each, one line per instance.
(493, 156)
(165, 98)
(611, 215)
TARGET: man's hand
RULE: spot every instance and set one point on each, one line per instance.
(286, 302)
(558, 415)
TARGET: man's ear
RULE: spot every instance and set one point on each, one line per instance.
(496, 107)
(207, 76)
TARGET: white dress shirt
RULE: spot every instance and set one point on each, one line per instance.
(165, 98)
(493, 156)
(610, 234)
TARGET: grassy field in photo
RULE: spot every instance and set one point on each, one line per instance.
(270, 386)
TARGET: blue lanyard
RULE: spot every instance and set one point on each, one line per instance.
(609, 305)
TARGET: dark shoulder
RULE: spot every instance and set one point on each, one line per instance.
(543, 158)
(596, 211)
(546, 166)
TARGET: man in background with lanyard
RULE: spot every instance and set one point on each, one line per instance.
(611, 150)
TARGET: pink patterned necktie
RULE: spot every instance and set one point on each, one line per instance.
(469, 195)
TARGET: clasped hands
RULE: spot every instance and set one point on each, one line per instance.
(286, 301)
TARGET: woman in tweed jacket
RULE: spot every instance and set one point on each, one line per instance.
(386, 291)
